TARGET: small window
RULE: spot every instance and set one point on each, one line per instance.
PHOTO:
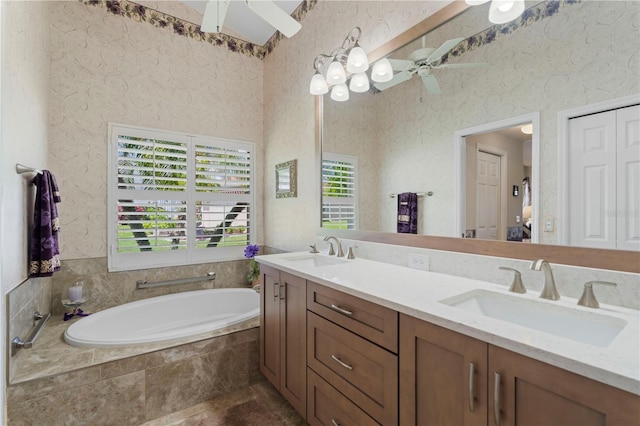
(339, 191)
(177, 199)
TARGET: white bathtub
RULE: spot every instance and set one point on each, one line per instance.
(164, 318)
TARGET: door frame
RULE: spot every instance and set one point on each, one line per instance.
(460, 174)
(563, 154)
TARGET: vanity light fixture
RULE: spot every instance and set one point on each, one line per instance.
(332, 69)
(501, 11)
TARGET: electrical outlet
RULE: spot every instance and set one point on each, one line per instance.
(419, 261)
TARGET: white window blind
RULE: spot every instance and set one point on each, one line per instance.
(177, 199)
(339, 191)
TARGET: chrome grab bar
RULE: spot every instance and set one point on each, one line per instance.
(144, 284)
(41, 320)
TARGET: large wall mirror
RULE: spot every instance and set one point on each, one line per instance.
(410, 136)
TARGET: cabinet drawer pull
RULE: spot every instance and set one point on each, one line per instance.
(276, 291)
(341, 310)
(496, 399)
(344, 364)
(472, 397)
(334, 423)
(282, 292)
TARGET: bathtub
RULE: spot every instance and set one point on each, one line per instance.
(163, 318)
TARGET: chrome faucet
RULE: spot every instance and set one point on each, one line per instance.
(549, 290)
(338, 244)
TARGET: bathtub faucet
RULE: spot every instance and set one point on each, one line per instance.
(256, 288)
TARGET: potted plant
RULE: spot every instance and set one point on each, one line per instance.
(250, 252)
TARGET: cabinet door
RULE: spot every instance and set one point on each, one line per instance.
(270, 324)
(524, 392)
(293, 329)
(442, 376)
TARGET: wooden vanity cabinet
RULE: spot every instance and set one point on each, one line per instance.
(283, 328)
(507, 388)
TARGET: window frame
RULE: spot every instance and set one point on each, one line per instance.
(191, 255)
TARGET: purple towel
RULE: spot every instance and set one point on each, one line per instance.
(45, 254)
(408, 213)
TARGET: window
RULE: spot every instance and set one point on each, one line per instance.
(176, 199)
(339, 191)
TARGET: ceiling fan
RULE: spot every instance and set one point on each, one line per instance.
(421, 62)
(216, 10)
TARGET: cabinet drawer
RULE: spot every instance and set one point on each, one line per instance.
(365, 373)
(327, 406)
(371, 321)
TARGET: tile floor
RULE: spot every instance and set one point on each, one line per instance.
(260, 404)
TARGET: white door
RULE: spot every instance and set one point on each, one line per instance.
(628, 170)
(487, 195)
(604, 176)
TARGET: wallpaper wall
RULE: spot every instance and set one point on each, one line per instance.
(109, 68)
(291, 224)
(583, 54)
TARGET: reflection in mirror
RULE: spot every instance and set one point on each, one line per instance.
(286, 179)
(557, 56)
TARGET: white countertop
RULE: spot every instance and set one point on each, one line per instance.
(417, 293)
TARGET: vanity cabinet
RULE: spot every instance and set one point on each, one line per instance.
(352, 359)
(450, 379)
(283, 322)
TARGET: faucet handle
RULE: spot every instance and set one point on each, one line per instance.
(350, 254)
(331, 250)
(588, 297)
(516, 284)
(313, 249)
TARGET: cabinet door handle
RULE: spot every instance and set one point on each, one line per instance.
(341, 310)
(342, 363)
(472, 397)
(283, 291)
(334, 423)
(276, 291)
(496, 399)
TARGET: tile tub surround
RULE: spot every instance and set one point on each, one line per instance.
(417, 293)
(569, 279)
(106, 388)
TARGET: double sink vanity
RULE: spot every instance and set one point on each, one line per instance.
(364, 342)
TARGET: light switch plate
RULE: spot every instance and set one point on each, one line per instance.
(419, 261)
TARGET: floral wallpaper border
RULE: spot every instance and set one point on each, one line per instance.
(534, 14)
(181, 27)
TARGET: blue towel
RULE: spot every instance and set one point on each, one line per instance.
(408, 213)
(45, 254)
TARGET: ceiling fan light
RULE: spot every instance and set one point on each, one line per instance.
(527, 129)
(340, 93)
(382, 71)
(359, 83)
(502, 11)
(357, 60)
(318, 85)
(336, 74)
(475, 2)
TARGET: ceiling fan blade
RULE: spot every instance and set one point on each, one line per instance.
(442, 50)
(401, 64)
(213, 18)
(430, 83)
(466, 65)
(401, 77)
(275, 16)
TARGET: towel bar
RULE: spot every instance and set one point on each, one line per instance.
(41, 320)
(144, 284)
(419, 194)
(21, 168)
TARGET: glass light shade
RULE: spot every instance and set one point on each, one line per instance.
(318, 85)
(502, 11)
(359, 83)
(476, 2)
(336, 74)
(382, 71)
(357, 60)
(527, 129)
(340, 93)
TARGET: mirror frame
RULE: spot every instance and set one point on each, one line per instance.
(617, 260)
(292, 190)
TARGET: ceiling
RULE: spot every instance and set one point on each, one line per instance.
(240, 22)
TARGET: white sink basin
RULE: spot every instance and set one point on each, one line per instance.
(315, 260)
(576, 324)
